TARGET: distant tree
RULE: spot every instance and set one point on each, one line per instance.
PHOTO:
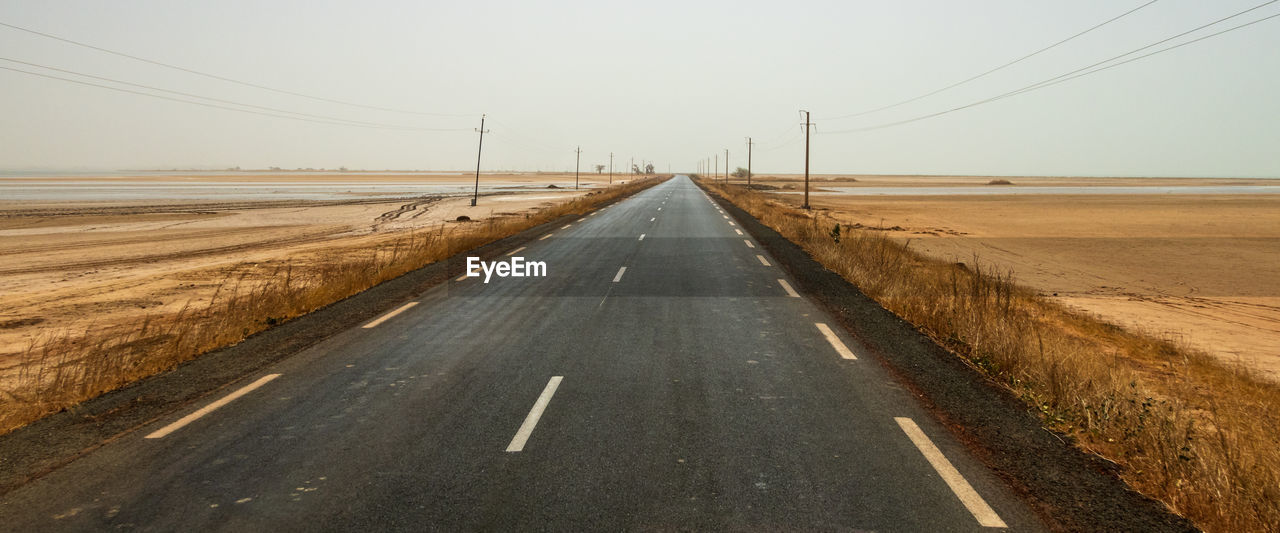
(599, 169)
(648, 169)
(342, 169)
(740, 173)
(635, 169)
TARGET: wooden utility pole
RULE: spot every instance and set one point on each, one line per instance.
(476, 195)
(576, 162)
(749, 143)
(726, 166)
(717, 167)
(610, 168)
(807, 124)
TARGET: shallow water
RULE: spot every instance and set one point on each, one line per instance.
(124, 190)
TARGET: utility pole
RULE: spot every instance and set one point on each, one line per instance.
(807, 124)
(726, 166)
(610, 168)
(717, 160)
(749, 143)
(632, 169)
(576, 162)
(476, 195)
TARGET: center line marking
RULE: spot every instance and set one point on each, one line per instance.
(749, 245)
(547, 236)
(986, 516)
(642, 236)
(516, 251)
(162, 432)
(389, 316)
(787, 287)
(835, 341)
(618, 277)
(738, 231)
(763, 261)
(531, 421)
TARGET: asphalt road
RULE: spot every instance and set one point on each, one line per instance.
(662, 376)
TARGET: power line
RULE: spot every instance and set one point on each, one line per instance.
(994, 70)
(226, 79)
(216, 106)
(1083, 71)
(796, 136)
(209, 98)
(527, 140)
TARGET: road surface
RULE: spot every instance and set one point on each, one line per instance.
(663, 375)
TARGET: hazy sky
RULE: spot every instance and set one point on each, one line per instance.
(665, 81)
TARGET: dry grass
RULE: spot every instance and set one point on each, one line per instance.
(1199, 435)
(65, 368)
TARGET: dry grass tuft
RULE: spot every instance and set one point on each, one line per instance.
(62, 369)
(1199, 435)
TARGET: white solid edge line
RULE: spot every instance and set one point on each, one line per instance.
(516, 251)
(164, 431)
(545, 237)
(738, 231)
(787, 287)
(835, 341)
(763, 261)
(389, 316)
(986, 516)
(749, 245)
(618, 277)
(531, 421)
(642, 236)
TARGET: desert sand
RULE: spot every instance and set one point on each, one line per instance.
(1200, 269)
(66, 267)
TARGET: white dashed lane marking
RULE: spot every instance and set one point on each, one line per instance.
(531, 421)
(389, 316)
(164, 431)
(986, 516)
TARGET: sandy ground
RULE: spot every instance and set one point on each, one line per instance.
(1201, 269)
(66, 267)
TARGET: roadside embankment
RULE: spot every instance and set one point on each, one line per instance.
(1181, 426)
(63, 368)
